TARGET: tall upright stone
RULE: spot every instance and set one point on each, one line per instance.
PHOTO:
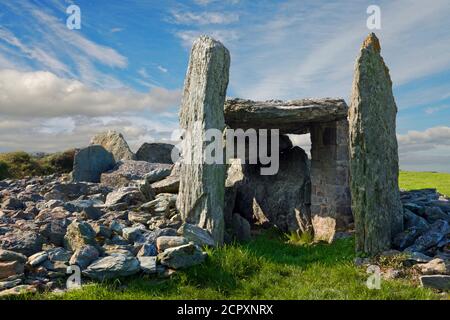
(201, 195)
(374, 169)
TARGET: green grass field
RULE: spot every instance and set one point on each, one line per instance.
(410, 180)
(269, 268)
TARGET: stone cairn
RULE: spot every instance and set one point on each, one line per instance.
(116, 216)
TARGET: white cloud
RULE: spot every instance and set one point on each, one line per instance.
(162, 69)
(204, 18)
(429, 139)
(431, 110)
(188, 37)
(43, 94)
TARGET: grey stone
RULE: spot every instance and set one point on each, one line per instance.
(115, 143)
(436, 233)
(241, 228)
(25, 242)
(10, 268)
(435, 266)
(12, 204)
(161, 205)
(148, 264)
(199, 236)
(281, 200)
(439, 282)
(37, 258)
(79, 234)
(59, 254)
(158, 173)
(84, 256)
(292, 116)
(128, 195)
(182, 257)
(113, 266)
(129, 172)
(7, 255)
(90, 163)
(413, 220)
(406, 238)
(155, 152)
(147, 250)
(163, 243)
(201, 196)
(8, 284)
(54, 231)
(374, 169)
(132, 234)
(171, 184)
(18, 290)
(433, 214)
(80, 205)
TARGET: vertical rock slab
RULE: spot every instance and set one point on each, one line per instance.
(201, 194)
(90, 162)
(374, 169)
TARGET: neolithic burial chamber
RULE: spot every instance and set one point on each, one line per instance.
(302, 196)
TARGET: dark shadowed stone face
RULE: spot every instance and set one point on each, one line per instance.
(91, 162)
(155, 153)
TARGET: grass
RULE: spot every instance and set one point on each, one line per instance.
(264, 268)
(410, 180)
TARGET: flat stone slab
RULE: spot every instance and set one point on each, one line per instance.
(293, 116)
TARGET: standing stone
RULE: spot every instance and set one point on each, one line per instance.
(374, 152)
(90, 162)
(202, 186)
(115, 143)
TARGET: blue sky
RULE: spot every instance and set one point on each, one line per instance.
(125, 68)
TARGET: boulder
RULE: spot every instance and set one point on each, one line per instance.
(7, 256)
(432, 237)
(171, 184)
(11, 268)
(12, 204)
(201, 196)
(115, 143)
(147, 264)
(147, 250)
(435, 266)
(413, 220)
(439, 282)
(199, 236)
(24, 242)
(406, 238)
(128, 195)
(241, 228)
(162, 205)
(113, 266)
(155, 153)
(37, 258)
(90, 163)
(84, 256)
(163, 243)
(79, 234)
(374, 171)
(54, 231)
(182, 257)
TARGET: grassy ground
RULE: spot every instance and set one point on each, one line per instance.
(265, 268)
(410, 180)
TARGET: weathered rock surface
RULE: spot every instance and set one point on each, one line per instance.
(374, 152)
(24, 242)
(155, 153)
(114, 266)
(90, 162)
(131, 172)
(201, 195)
(282, 199)
(79, 234)
(84, 256)
(127, 195)
(440, 282)
(114, 142)
(182, 257)
(294, 116)
(163, 243)
(199, 236)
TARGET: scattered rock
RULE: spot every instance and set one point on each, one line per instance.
(182, 257)
(199, 236)
(439, 282)
(84, 256)
(435, 266)
(148, 264)
(79, 234)
(37, 258)
(25, 242)
(163, 243)
(22, 289)
(113, 266)
(128, 195)
(11, 268)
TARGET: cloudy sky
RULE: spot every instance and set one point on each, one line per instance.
(124, 68)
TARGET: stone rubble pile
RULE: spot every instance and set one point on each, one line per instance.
(119, 225)
(423, 248)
